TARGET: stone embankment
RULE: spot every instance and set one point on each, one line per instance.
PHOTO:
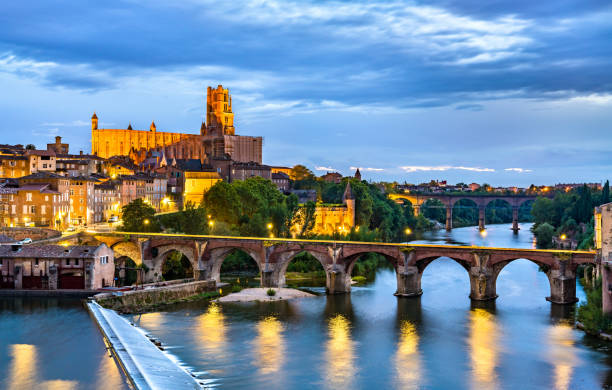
(261, 294)
(19, 233)
(145, 365)
(152, 296)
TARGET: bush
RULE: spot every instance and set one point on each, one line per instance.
(271, 292)
(544, 234)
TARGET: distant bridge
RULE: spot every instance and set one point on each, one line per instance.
(481, 201)
(483, 264)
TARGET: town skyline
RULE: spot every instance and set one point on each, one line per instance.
(454, 91)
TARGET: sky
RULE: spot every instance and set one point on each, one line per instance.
(505, 92)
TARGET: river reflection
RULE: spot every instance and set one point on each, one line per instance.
(24, 371)
(211, 329)
(562, 354)
(407, 359)
(484, 349)
(269, 346)
(340, 354)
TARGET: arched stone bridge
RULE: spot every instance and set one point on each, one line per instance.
(483, 264)
(481, 201)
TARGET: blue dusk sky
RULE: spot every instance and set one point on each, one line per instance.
(508, 92)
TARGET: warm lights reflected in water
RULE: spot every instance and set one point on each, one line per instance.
(340, 356)
(484, 350)
(24, 371)
(211, 329)
(407, 358)
(269, 346)
(562, 354)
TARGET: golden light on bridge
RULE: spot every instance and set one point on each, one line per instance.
(146, 221)
(484, 350)
(211, 329)
(340, 355)
(562, 355)
(408, 231)
(483, 233)
(407, 358)
(563, 237)
(269, 345)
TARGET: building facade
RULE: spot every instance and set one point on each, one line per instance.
(217, 138)
(52, 267)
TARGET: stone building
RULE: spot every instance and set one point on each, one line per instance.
(330, 219)
(58, 147)
(282, 181)
(106, 201)
(216, 139)
(332, 177)
(82, 199)
(14, 166)
(602, 238)
(41, 160)
(61, 200)
(188, 180)
(53, 267)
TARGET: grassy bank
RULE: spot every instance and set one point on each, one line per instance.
(590, 313)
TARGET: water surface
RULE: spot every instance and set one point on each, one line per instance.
(371, 339)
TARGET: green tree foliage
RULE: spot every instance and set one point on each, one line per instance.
(305, 219)
(239, 262)
(434, 209)
(544, 234)
(247, 207)
(176, 266)
(605, 193)
(583, 207)
(300, 172)
(591, 313)
(191, 220)
(138, 216)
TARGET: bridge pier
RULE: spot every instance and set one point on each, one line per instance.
(337, 281)
(562, 286)
(515, 226)
(482, 283)
(449, 218)
(481, 217)
(409, 282)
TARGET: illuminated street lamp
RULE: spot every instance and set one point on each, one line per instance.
(483, 233)
(270, 226)
(211, 223)
(146, 221)
(563, 237)
(408, 231)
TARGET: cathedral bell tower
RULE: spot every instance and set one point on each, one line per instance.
(94, 122)
(219, 115)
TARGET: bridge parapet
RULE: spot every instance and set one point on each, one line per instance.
(338, 258)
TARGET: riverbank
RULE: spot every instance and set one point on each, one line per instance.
(261, 295)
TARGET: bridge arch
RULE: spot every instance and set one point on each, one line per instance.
(322, 259)
(129, 249)
(213, 259)
(160, 255)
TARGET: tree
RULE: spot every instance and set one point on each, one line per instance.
(542, 210)
(30, 147)
(192, 219)
(305, 219)
(139, 217)
(544, 234)
(300, 172)
(605, 193)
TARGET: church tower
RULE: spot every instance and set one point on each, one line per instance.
(94, 122)
(219, 115)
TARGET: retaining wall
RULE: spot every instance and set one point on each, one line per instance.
(139, 300)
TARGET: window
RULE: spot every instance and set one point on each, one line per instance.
(36, 262)
(46, 198)
(76, 262)
(28, 196)
(67, 261)
(1, 262)
(44, 166)
(33, 209)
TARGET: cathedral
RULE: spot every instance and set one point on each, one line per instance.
(217, 139)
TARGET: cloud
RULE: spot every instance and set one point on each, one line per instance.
(330, 169)
(367, 169)
(75, 123)
(519, 170)
(470, 107)
(418, 168)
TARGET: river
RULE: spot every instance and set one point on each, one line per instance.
(363, 340)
